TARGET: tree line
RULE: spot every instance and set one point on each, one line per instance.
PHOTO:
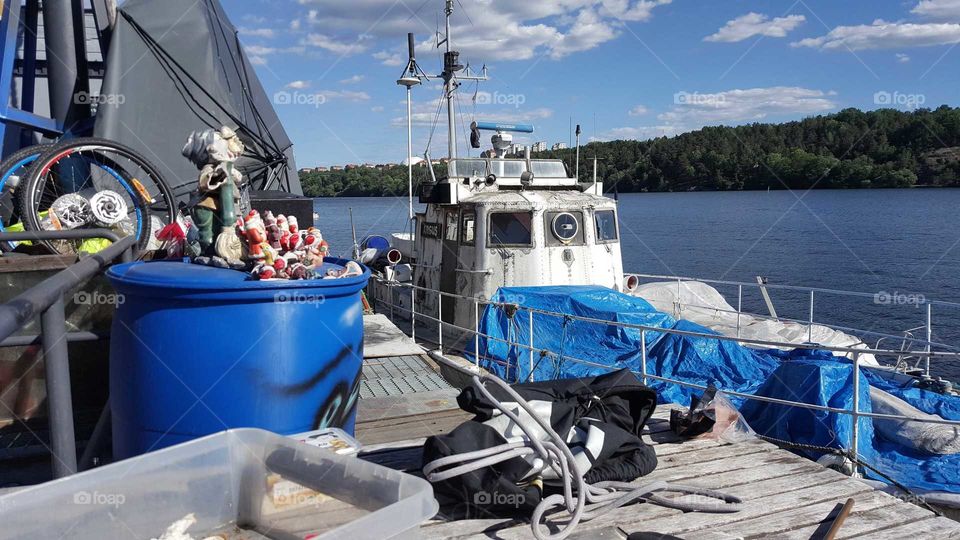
(848, 149)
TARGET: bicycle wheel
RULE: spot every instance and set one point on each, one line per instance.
(94, 183)
(12, 171)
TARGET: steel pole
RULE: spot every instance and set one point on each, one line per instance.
(410, 156)
(810, 326)
(59, 397)
(929, 336)
(643, 355)
(855, 429)
(413, 313)
(739, 307)
(530, 376)
(67, 76)
(476, 332)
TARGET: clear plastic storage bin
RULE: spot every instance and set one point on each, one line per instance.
(237, 484)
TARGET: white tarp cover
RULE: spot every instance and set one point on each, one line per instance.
(702, 304)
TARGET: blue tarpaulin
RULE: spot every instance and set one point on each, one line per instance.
(583, 348)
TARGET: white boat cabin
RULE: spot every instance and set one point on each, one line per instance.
(511, 222)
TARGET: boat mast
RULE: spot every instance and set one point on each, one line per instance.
(449, 63)
(452, 65)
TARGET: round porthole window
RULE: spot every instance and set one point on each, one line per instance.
(565, 227)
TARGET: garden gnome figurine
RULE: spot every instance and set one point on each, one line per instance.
(214, 152)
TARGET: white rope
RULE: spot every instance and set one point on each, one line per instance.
(582, 501)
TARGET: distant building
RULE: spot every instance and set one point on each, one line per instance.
(518, 149)
(320, 169)
(336, 168)
(539, 146)
(559, 146)
(306, 170)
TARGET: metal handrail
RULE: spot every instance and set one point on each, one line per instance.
(687, 333)
(799, 288)
(781, 318)
(46, 299)
(854, 411)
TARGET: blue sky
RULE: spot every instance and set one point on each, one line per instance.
(623, 69)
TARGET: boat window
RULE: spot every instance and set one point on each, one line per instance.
(548, 169)
(606, 221)
(511, 229)
(467, 229)
(505, 168)
(563, 228)
(468, 167)
(452, 226)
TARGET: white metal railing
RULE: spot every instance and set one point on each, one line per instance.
(513, 309)
(905, 338)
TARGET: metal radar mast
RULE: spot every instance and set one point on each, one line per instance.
(412, 76)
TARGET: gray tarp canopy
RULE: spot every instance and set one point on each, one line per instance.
(180, 67)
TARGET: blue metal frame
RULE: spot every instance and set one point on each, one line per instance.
(9, 31)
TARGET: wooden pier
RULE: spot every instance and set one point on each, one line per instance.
(785, 496)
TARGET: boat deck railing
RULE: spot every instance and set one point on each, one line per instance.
(46, 300)
(517, 311)
(906, 338)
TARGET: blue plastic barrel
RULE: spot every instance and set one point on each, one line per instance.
(195, 350)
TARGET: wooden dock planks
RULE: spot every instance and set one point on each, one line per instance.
(786, 496)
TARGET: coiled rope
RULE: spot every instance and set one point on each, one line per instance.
(582, 501)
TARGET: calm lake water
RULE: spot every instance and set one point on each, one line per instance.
(899, 246)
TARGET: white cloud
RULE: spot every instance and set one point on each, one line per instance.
(625, 11)
(639, 110)
(258, 53)
(938, 9)
(256, 32)
(635, 133)
(346, 95)
(425, 112)
(378, 108)
(347, 47)
(755, 24)
(902, 58)
(587, 31)
(884, 35)
(298, 85)
(388, 58)
(295, 25)
(695, 110)
(352, 80)
(519, 31)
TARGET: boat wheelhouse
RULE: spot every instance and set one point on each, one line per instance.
(511, 222)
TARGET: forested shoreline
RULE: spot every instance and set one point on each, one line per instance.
(885, 148)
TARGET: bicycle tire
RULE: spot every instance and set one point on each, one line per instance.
(25, 157)
(30, 190)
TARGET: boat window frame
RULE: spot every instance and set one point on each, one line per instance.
(596, 227)
(580, 239)
(492, 244)
(464, 213)
(449, 224)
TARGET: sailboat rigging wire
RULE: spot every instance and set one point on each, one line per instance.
(172, 67)
(436, 120)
